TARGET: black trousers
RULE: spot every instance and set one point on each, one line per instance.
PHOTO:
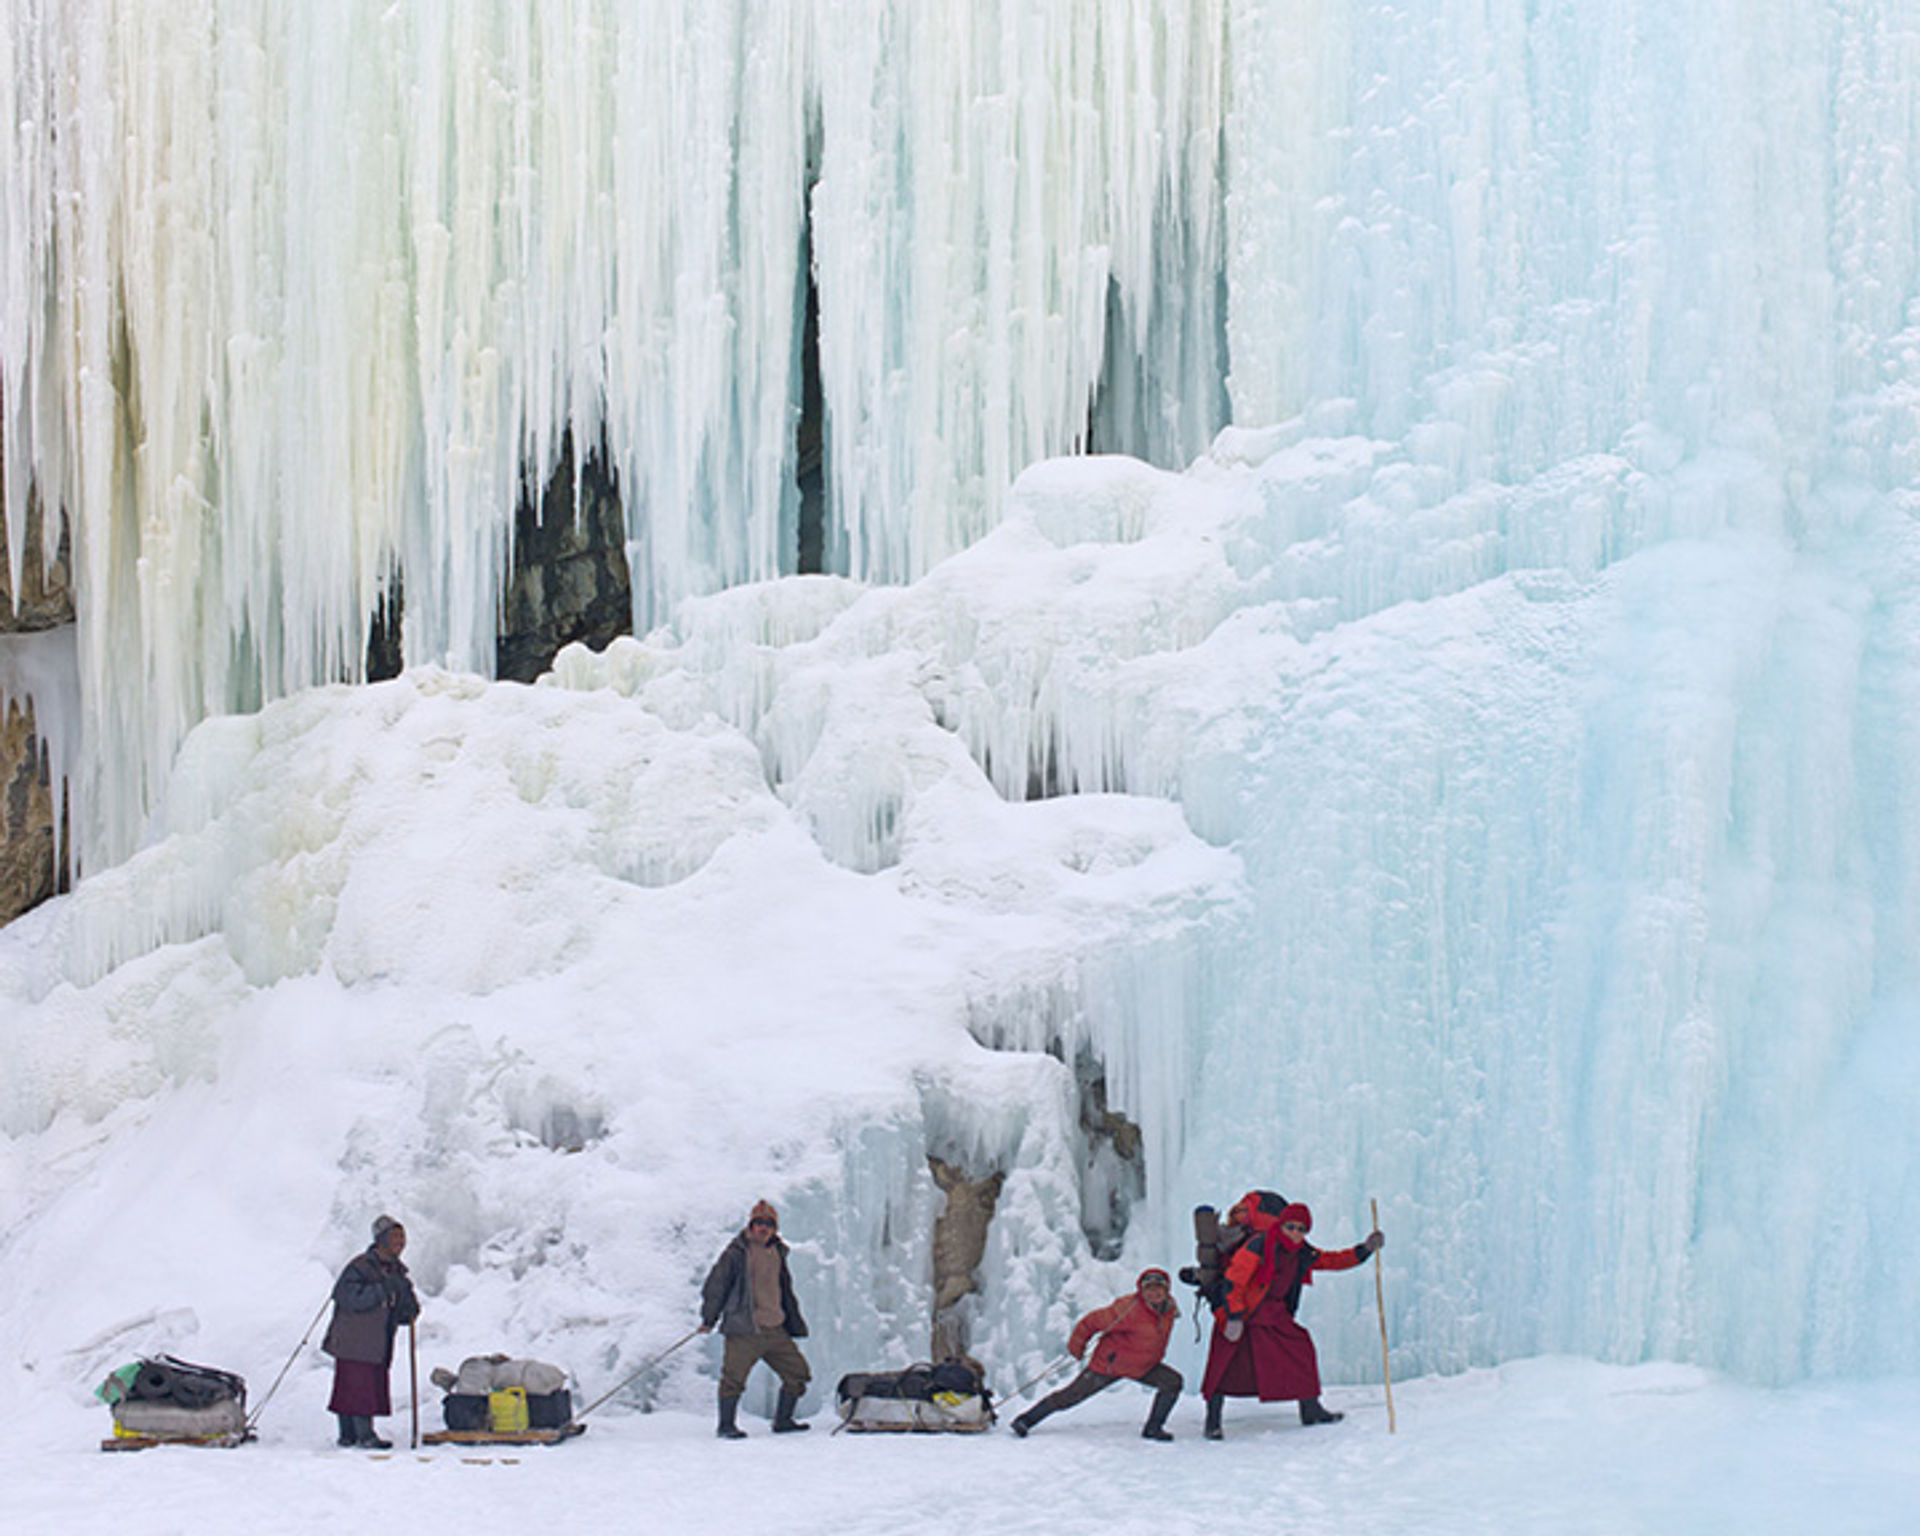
(1164, 1379)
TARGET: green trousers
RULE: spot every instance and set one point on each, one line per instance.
(772, 1345)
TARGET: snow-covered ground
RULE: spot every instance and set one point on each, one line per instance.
(1550, 1445)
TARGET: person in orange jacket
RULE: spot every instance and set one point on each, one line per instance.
(1257, 1349)
(1133, 1332)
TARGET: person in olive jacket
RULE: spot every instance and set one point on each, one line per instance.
(749, 1293)
(371, 1300)
(1133, 1334)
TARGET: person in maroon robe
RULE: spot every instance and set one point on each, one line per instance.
(371, 1300)
(1258, 1349)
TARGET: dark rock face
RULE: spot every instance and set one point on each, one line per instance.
(1112, 1167)
(570, 578)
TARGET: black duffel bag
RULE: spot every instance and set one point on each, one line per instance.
(466, 1410)
(549, 1410)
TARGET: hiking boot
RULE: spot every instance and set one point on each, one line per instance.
(1022, 1424)
(349, 1431)
(1312, 1411)
(369, 1439)
(1156, 1425)
(784, 1423)
(1215, 1407)
(728, 1430)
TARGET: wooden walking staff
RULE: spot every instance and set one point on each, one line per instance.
(1380, 1301)
(413, 1371)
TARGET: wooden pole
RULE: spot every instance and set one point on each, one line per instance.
(413, 1371)
(636, 1374)
(1027, 1386)
(1380, 1301)
(260, 1408)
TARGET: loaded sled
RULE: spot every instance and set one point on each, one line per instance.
(948, 1398)
(165, 1401)
(497, 1400)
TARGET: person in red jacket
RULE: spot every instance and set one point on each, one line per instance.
(1257, 1349)
(1133, 1333)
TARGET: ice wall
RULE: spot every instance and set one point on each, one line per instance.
(1537, 227)
(1616, 843)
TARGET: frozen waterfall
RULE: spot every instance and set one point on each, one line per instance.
(1470, 761)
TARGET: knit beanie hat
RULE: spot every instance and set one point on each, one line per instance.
(382, 1225)
(1153, 1274)
(763, 1211)
(1298, 1212)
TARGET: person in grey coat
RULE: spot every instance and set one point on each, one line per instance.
(372, 1299)
(749, 1294)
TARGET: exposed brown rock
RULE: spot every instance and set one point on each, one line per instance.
(46, 593)
(959, 1243)
(27, 873)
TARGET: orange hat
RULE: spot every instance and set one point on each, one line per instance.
(763, 1211)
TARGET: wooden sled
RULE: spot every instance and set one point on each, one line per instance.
(870, 1428)
(489, 1437)
(913, 1416)
(127, 1442)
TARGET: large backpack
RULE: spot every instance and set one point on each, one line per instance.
(1215, 1242)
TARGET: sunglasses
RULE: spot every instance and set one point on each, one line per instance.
(1291, 1226)
(760, 1221)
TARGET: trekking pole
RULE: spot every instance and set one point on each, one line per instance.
(413, 1376)
(1380, 1301)
(261, 1407)
(633, 1375)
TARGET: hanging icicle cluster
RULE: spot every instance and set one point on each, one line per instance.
(296, 297)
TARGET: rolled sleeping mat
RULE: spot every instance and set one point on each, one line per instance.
(198, 1391)
(154, 1383)
(1206, 1240)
